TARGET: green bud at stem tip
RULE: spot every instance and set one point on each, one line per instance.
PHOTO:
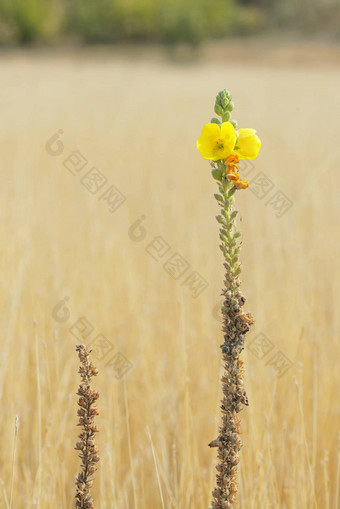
(218, 109)
(223, 98)
(215, 120)
(226, 116)
(230, 106)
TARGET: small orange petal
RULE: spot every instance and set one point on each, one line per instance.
(234, 176)
(232, 168)
(232, 159)
(241, 184)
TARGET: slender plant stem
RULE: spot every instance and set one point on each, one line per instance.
(235, 325)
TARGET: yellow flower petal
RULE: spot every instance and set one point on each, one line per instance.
(228, 133)
(248, 144)
(211, 131)
(216, 142)
(207, 140)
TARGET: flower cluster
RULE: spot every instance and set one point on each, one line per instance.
(220, 141)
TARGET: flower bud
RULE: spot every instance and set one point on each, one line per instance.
(218, 109)
(224, 98)
(215, 120)
(230, 106)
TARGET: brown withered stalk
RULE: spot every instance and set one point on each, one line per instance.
(86, 445)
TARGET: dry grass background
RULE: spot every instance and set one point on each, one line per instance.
(137, 118)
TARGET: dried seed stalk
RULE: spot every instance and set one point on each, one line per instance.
(235, 325)
(86, 444)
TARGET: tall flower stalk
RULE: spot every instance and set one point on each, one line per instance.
(86, 444)
(224, 146)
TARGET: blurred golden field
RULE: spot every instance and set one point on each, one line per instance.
(135, 116)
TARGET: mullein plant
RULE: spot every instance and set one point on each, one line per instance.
(86, 444)
(225, 146)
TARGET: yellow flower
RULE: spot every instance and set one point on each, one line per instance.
(248, 144)
(217, 142)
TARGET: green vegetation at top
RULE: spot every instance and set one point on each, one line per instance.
(165, 21)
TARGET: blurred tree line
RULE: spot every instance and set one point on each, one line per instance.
(165, 21)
